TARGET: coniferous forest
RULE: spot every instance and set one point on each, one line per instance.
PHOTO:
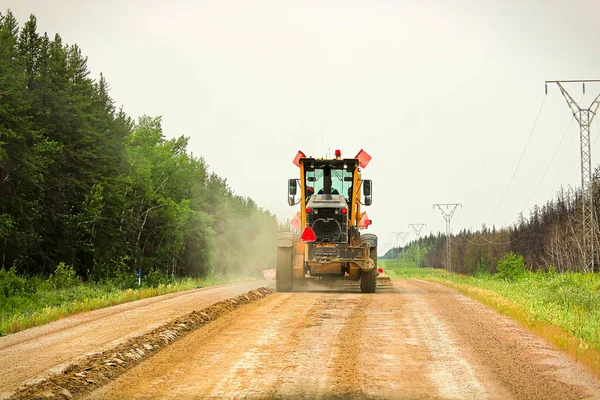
(82, 183)
(549, 239)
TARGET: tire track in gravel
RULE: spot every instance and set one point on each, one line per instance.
(344, 378)
(231, 360)
(394, 356)
(453, 376)
(36, 352)
(301, 346)
(311, 356)
(423, 340)
(524, 365)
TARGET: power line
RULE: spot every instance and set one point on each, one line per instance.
(549, 164)
(537, 187)
(492, 242)
(530, 197)
(552, 161)
(520, 159)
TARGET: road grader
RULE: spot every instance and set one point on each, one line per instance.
(328, 245)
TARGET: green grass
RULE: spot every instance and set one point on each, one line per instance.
(564, 308)
(29, 302)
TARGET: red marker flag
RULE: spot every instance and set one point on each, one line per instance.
(295, 223)
(298, 157)
(364, 222)
(363, 158)
(269, 274)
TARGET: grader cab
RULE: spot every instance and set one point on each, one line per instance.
(330, 246)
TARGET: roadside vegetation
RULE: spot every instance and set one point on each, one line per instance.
(84, 184)
(31, 301)
(562, 307)
(90, 196)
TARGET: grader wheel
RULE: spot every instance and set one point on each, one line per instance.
(368, 279)
(284, 281)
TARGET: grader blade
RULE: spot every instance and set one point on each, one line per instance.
(383, 280)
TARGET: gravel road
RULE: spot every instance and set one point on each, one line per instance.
(421, 340)
(28, 356)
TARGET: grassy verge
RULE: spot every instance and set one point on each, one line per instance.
(29, 302)
(562, 308)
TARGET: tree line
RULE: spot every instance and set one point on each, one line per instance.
(83, 183)
(549, 239)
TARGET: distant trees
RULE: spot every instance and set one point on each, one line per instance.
(84, 184)
(549, 239)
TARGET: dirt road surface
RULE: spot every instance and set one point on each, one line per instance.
(31, 354)
(422, 340)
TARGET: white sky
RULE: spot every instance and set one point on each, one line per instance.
(442, 94)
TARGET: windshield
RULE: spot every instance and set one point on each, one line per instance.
(341, 181)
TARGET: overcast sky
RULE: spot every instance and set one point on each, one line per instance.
(442, 94)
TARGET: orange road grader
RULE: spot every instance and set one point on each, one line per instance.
(328, 245)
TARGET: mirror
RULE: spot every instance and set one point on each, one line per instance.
(367, 186)
(292, 191)
(292, 187)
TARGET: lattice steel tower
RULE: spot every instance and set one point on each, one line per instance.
(448, 217)
(400, 236)
(418, 228)
(584, 117)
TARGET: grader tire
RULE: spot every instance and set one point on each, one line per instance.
(285, 263)
(368, 279)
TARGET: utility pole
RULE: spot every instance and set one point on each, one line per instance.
(448, 211)
(584, 117)
(418, 228)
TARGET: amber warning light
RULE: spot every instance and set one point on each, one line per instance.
(308, 235)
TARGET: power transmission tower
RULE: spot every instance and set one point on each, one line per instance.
(448, 213)
(400, 236)
(584, 117)
(418, 228)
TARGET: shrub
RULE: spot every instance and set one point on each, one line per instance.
(64, 276)
(511, 267)
(121, 281)
(11, 284)
(154, 278)
(482, 269)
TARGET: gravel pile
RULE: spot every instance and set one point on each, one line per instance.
(98, 369)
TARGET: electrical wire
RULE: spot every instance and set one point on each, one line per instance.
(520, 159)
(549, 164)
(491, 242)
(552, 160)
(537, 187)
